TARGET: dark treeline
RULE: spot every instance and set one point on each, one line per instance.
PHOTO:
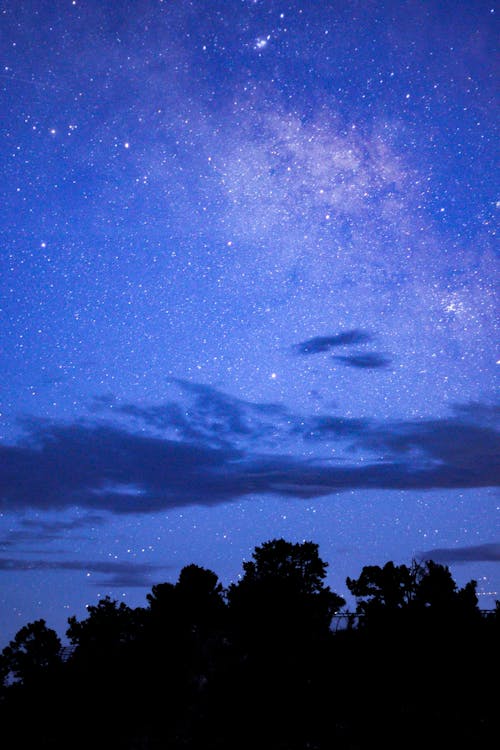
(259, 665)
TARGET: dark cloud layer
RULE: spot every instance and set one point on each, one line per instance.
(477, 553)
(218, 456)
(325, 343)
(41, 532)
(368, 361)
(121, 574)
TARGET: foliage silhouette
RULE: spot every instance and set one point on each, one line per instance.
(280, 614)
(423, 591)
(32, 654)
(195, 602)
(258, 665)
(108, 626)
(282, 591)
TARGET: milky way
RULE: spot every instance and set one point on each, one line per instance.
(248, 290)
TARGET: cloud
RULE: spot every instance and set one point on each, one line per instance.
(446, 442)
(477, 553)
(224, 449)
(360, 360)
(42, 532)
(211, 417)
(117, 574)
(320, 344)
(477, 413)
(107, 468)
(368, 361)
(320, 428)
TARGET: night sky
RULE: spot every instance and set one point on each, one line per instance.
(248, 274)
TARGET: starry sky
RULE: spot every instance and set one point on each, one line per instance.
(248, 278)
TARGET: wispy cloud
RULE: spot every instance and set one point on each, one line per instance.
(365, 361)
(320, 344)
(116, 574)
(37, 531)
(221, 451)
(474, 553)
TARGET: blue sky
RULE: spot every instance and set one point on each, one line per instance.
(248, 290)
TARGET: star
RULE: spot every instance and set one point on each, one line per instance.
(262, 42)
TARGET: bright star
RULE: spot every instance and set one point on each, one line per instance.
(262, 42)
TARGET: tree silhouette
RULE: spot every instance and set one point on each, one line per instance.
(108, 626)
(34, 652)
(194, 602)
(392, 587)
(32, 667)
(199, 595)
(437, 590)
(283, 588)
(280, 614)
(416, 621)
(183, 636)
(104, 671)
(381, 592)
(258, 665)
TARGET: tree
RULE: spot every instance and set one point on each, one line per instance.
(297, 566)
(283, 588)
(389, 588)
(199, 597)
(436, 589)
(109, 626)
(104, 673)
(194, 603)
(263, 650)
(280, 614)
(34, 652)
(423, 587)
